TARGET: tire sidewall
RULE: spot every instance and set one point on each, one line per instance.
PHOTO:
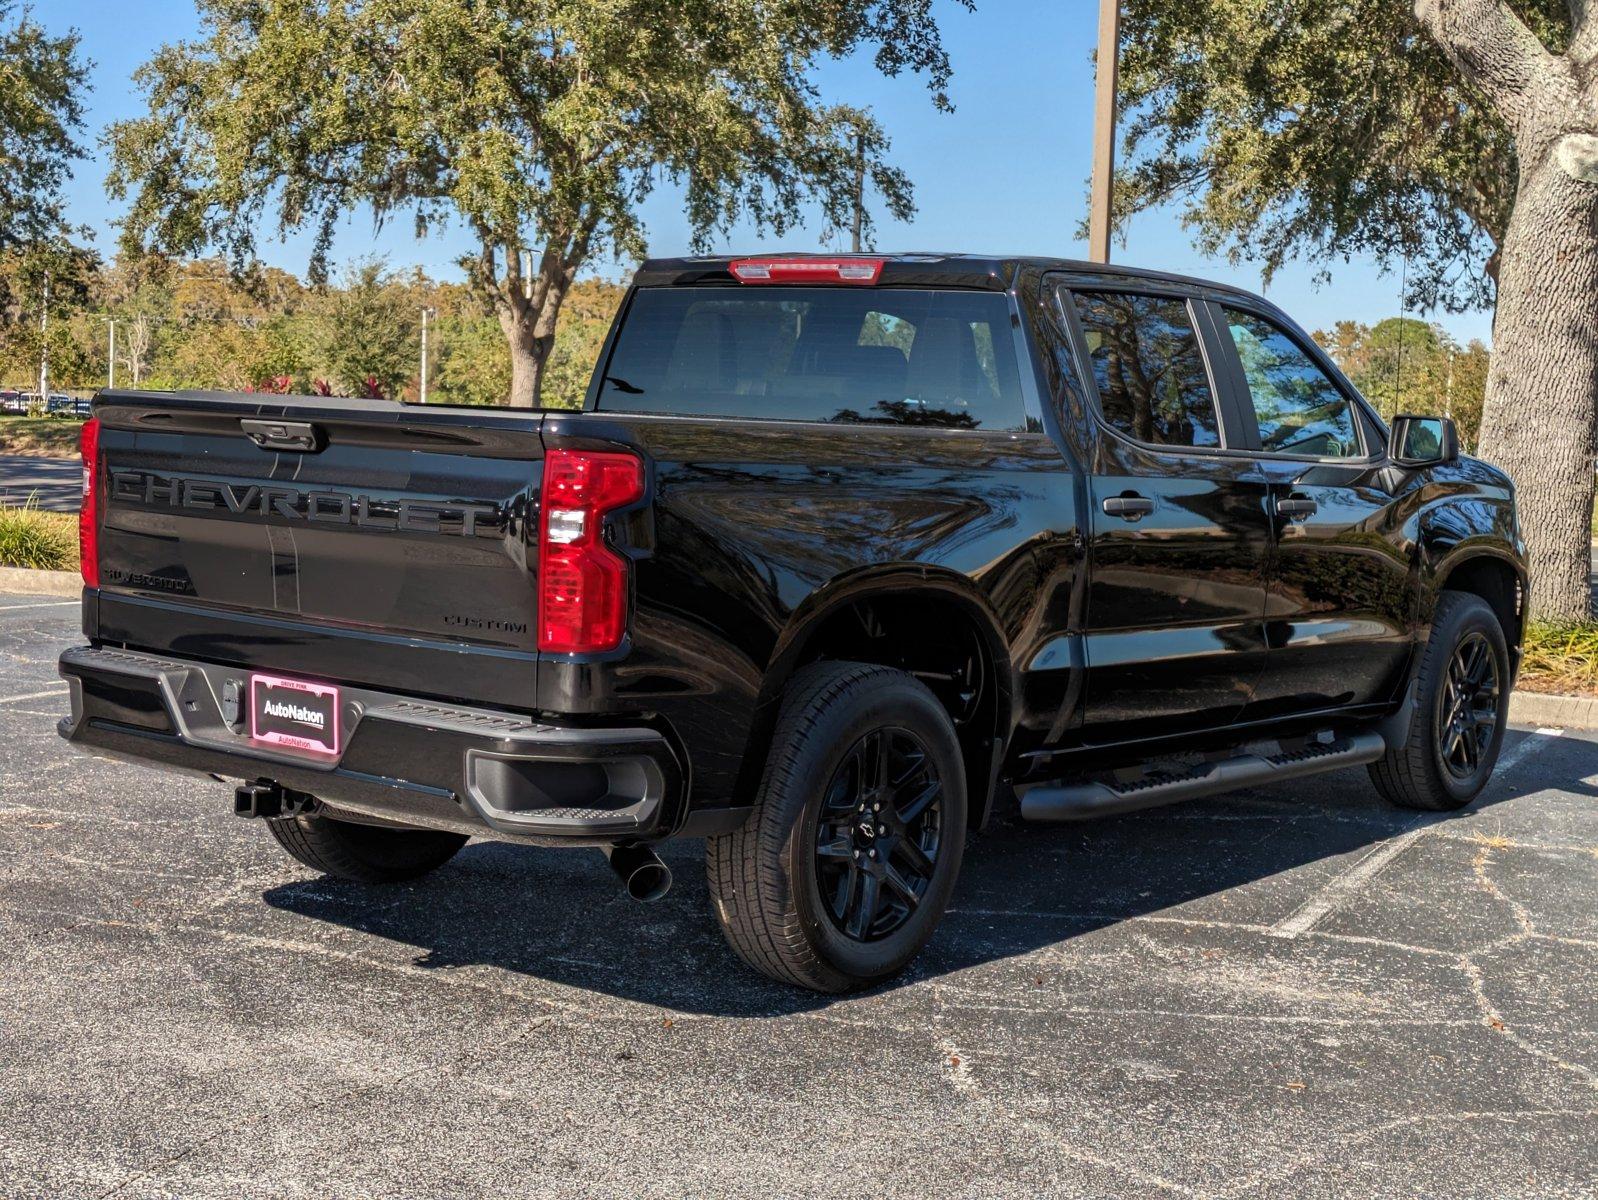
(883, 702)
(1466, 619)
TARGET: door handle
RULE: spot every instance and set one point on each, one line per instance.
(1296, 507)
(1129, 507)
(300, 436)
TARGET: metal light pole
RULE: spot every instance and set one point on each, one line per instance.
(426, 313)
(859, 191)
(44, 346)
(1104, 130)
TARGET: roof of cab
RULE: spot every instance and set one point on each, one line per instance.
(992, 272)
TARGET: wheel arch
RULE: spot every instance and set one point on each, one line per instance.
(1495, 576)
(932, 622)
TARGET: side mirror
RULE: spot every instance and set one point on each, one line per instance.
(1422, 441)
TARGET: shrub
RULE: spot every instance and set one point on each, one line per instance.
(1561, 657)
(30, 537)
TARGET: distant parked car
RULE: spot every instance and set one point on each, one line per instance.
(12, 402)
(60, 404)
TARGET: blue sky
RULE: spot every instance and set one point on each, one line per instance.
(1006, 172)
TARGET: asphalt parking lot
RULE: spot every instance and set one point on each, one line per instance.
(1289, 992)
(49, 483)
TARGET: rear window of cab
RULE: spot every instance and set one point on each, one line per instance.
(837, 354)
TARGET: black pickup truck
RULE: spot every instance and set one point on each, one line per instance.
(839, 556)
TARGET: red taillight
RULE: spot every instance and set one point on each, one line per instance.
(582, 583)
(864, 271)
(89, 510)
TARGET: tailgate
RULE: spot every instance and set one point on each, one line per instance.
(362, 542)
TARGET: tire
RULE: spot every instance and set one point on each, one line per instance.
(364, 853)
(1432, 770)
(795, 909)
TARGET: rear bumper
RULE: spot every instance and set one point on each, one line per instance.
(476, 771)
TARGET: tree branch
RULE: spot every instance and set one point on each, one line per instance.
(1583, 34)
(578, 253)
(1491, 47)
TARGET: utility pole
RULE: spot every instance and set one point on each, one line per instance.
(110, 353)
(44, 345)
(859, 189)
(1104, 130)
(426, 313)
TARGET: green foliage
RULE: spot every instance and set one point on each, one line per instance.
(42, 84)
(369, 333)
(1320, 131)
(1561, 657)
(1405, 365)
(202, 328)
(44, 541)
(585, 322)
(472, 364)
(539, 125)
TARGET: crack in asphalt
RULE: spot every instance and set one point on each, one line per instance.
(1491, 1015)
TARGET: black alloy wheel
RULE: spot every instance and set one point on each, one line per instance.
(1467, 707)
(878, 834)
(1443, 753)
(849, 858)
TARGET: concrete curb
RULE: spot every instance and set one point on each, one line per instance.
(1564, 712)
(40, 583)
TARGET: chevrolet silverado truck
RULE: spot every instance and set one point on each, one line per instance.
(839, 555)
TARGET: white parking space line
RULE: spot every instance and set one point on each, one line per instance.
(43, 604)
(1314, 910)
(59, 691)
(1527, 744)
(1310, 914)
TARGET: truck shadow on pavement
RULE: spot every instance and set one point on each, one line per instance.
(559, 916)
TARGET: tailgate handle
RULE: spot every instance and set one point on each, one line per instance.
(300, 436)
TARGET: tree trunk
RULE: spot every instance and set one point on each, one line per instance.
(529, 315)
(527, 359)
(1539, 417)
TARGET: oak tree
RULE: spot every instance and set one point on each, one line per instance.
(43, 82)
(1456, 141)
(538, 125)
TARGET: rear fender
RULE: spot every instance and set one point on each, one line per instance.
(794, 649)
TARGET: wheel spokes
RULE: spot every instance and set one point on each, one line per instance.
(911, 812)
(843, 893)
(900, 885)
(863, 911)
(915, 858)
(914, 760)
(1476, 663)
(839, 849)
(877, 834)
(874, 765)
(1469, 706)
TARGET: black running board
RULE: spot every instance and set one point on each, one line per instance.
(1097, 798)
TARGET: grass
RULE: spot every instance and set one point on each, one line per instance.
(40, 437)
(1561, 658)
(30, 537)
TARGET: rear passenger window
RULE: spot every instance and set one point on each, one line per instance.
(849, 355)
(1146, 359)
